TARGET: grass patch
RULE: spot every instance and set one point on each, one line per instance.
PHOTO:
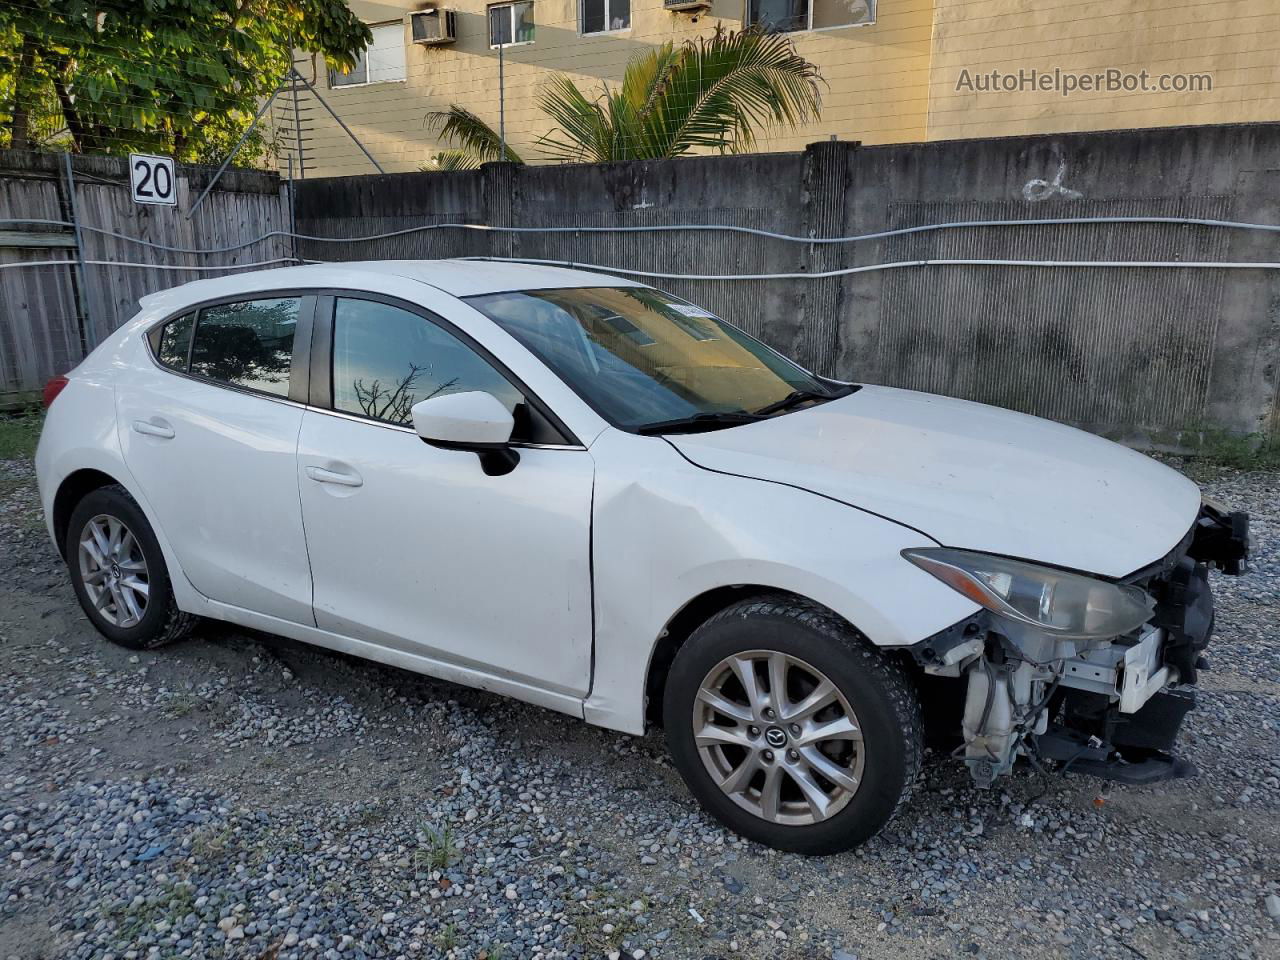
(181, 705)
(19, 433)
(211, 842)
(600, 907)
(1212, 450)
(437, 849)
(447, 939)
(171, 902)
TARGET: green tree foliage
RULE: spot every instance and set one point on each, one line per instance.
(712, 93)
(182, 77)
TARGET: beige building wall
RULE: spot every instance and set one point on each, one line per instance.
(891, 81)
(876, 77)
(1236, 43)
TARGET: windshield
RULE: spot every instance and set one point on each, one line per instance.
(641, 357)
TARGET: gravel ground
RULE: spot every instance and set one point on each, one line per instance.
(239, 795)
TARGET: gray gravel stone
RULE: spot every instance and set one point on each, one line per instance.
(242, 796)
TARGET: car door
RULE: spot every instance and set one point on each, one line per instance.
(209, 432)
(414, 547)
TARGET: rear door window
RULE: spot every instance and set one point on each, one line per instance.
(248, 344)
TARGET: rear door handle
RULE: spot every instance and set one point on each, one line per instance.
(321, 475)
(149, 429)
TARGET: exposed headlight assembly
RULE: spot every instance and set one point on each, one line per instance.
(1069, 605)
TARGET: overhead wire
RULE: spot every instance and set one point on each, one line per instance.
(699, 227)
(72, 261)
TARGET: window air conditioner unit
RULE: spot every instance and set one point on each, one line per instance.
(433, 25)
(685, 4)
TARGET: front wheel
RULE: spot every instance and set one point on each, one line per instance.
(790, 727)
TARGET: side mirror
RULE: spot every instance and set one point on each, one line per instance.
(474, 421)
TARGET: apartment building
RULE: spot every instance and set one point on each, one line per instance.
(894, 70)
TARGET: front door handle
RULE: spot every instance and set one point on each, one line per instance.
(321, 475)
(149, 429)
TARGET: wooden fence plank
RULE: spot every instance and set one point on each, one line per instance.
(27, 238)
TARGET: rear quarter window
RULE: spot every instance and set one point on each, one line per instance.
(171, 343)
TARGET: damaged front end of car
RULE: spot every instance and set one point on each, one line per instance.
(1087, 673)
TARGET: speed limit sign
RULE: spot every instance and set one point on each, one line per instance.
(152, 179)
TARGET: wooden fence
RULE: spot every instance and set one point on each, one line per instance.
(50, 316)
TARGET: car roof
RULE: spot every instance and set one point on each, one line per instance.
(461, 278)
(465, 278)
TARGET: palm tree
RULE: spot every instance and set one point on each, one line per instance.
(710, 93)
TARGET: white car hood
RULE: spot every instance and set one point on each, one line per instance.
(968, 475)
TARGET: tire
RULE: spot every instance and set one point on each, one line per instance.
(128, 598)
(812, 644)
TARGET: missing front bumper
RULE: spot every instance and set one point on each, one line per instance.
(1114, 709)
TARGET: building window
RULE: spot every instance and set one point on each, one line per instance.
(785, 16)
(380, 62)
(604, 16)
(510, 23)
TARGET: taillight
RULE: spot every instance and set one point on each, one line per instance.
(52, 389)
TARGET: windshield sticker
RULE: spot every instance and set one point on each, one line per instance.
(689, 310)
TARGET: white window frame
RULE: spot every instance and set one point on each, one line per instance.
(364, 54)
(809, 27)
(510, 7)
(582, 20)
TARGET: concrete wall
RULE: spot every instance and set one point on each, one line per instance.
(1139, 354)
(893, 81)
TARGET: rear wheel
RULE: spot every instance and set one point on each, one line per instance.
(790, 727)
(119, 574)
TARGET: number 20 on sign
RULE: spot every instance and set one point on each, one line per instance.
(152, 180)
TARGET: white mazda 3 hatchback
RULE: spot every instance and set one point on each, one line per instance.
(585, 493)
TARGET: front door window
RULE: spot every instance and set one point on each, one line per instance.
(386, 359)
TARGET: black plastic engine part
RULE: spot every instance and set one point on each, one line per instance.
(1156, 725)
(1222, 539)
(1184, 607)
(1095, 738)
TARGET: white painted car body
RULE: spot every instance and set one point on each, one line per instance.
(555, 582)
(970, 476)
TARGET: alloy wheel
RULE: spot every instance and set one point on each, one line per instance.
(114, 571)
(778, 737)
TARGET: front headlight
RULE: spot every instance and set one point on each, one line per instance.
(1061, 603)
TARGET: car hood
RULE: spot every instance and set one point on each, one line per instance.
(968, 475)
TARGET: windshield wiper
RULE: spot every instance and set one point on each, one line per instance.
(794, 398)
(699, 423)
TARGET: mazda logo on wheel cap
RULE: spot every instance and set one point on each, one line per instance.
(775, 737)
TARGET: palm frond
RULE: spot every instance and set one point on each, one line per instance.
(583, 131)
(472, 135)
(726, 86)
(451, 160)
(647, 76)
